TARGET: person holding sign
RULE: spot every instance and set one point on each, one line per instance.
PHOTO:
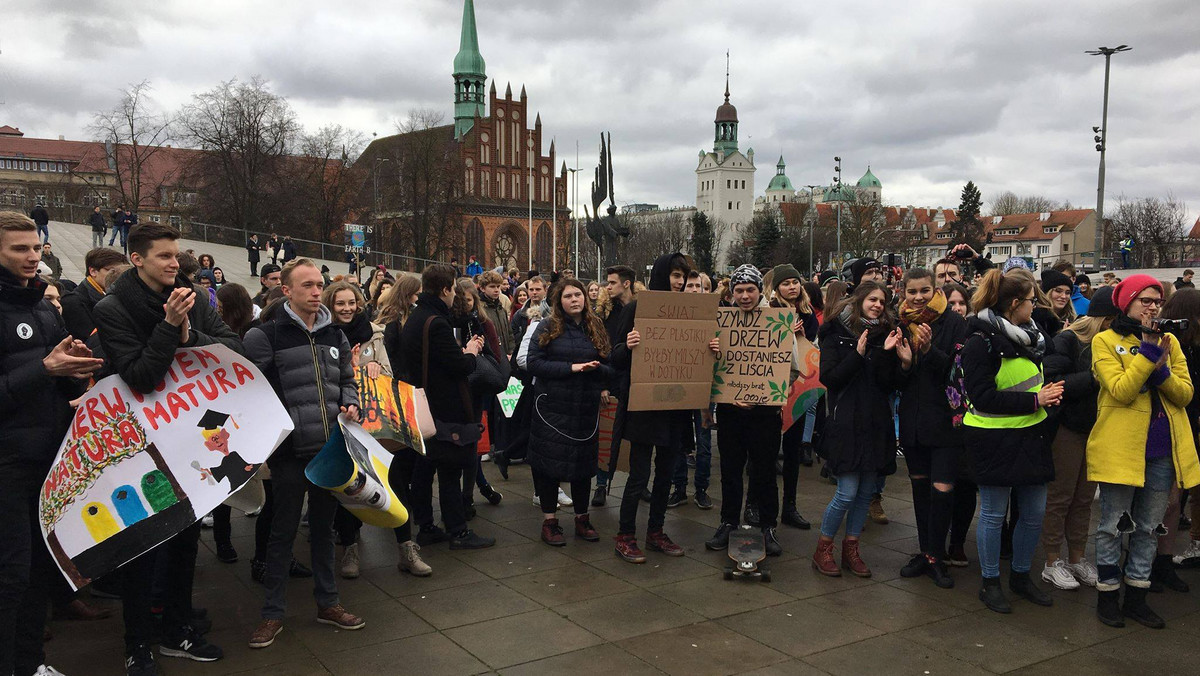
(863, 360)
(568, 358)
(43, 369)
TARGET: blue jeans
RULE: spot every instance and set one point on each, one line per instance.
(1143, 509)
(850, 502)
(703, 457)
(43, 231)
(993, 503)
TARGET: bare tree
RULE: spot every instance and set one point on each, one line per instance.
(133, 132)
(1009, 202)
(652, 235)
(327, 179)
(1157, 226)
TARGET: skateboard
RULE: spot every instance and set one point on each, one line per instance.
(747, 549)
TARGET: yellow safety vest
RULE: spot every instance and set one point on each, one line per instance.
(1015, 375)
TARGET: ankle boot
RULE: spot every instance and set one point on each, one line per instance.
(1135, 608)
(993, 596)
(852, 561)
(1022, 585)
(822, 560)
(791, 516)
(584, 529)
(552, 533)
(1108, 608)
(1163, 571)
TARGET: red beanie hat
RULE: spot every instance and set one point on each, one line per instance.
(1129, 288)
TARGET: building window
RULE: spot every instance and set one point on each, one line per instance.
(1066, 248)
(176, 222)
(728, 184)
(485, 182)
(60, 198)
(156, 219)
(474, 240)
(731, 206)
(42, 165)
(500, 186)
(544, 247)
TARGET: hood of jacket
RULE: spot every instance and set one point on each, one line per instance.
(660, 273)
(324, 317)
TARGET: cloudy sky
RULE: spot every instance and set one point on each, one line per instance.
(930, 94)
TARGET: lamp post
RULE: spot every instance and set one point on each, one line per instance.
(529, 190)
(375, 180)
(811, 217)
(575, 220)
(837, 189)
(1102, 145)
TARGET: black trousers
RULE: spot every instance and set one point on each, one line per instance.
(177, 558)
(547, 491)
(792, 440)
(26, 572)
(222, 529)
(640, 456)
(749, 437)
(399, 479)
(450, 494)
(262, 525)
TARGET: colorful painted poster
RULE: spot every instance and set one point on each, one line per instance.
(136, 469)
(509, 397)
(608, 417)
(354, 467)
(807, 389)
(391, 411)
(671, 369)
(756, 356)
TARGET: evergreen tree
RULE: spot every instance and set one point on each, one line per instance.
(967, 228)
(702, 242)
(767, 231)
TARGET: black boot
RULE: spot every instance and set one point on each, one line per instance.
(1022, 585)
(791, 516)
(1108, 608)
(936, 570)
(1135, 608)
(806, 454)
(993, 596)
(750, 516)
(600, 496)
(1163, 572)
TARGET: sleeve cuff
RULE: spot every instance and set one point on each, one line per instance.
(1150, 351)
(1160, 375)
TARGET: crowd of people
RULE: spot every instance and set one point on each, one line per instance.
(1018, 396)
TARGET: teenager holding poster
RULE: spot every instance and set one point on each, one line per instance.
(149, 312)
(790, 293)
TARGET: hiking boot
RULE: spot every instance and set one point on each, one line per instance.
(915, 567)
(1108, 608)
(772, 542)
(657, 541)
(492, 495)
(822, 559)
(751, 515)
(791, 516)
(957, 556)
(702, 500)
(430, 534)
(1022, 585)
(258, 570)
(993, 596)
(226, 553)
(140, 662)
(552, 533)
(852, 560)
(411, 562)
(720, 539)
(298, 569)
(936, 571)
(349, 568)
(80, 611)
(1163, 571)
(467, 539)
(627, 548)
(875, 511)
(677, 498)
(584, 530)
(600, 496)
(190, 645)
(337, 616)
(1135, 608)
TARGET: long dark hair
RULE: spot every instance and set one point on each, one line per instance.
(815, 297)
(237, 310)
(592, 326)
(855, 302)
(1185, 304)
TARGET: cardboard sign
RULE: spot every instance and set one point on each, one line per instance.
(756, 356)
(671, 368)
(509, 397)
(807, 388)
(608, 416)
(136, 469)
(391, 412)
(354, 467)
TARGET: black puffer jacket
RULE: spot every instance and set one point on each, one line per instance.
(34, 413)
(77, 309)
(310, 371)
(1010, 456)
(1071, 362)
(563, 439)
(660, 428)
(859, 435)
(925, 414)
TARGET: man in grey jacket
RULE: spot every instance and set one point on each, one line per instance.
(307, 360)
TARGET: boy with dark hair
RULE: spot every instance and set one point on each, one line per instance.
(77, 306)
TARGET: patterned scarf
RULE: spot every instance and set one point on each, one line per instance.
(1026, 337)
(910, 317)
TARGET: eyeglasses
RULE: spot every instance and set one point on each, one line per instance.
(1156, 302)
(1030, 300)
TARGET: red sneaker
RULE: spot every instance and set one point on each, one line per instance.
(657, 541)
(552, 534)
(627, 549)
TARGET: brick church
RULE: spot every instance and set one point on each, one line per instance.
(501, 162)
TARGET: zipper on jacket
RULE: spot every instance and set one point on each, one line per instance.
(320, 384)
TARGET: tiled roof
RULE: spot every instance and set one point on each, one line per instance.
(6, 130)
(1195, 233)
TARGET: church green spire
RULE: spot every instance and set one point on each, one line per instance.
(470, 75)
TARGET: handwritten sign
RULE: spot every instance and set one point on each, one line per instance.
(672, 366)
(806, 390)
(135, 469)
(510, 396)
(354, 467)
(756, 356)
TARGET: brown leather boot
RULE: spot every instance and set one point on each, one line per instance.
(822, 559)
(584, 529)
(552, 533)
(851, 560)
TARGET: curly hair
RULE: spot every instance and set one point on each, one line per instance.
(592, 325)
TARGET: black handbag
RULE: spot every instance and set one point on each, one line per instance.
(463, 435)
(490, 376)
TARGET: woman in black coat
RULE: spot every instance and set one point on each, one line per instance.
(568, 359)
(862, 361)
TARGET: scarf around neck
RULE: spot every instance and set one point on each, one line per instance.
(1027, 337)
(910, 317)
(872, 326)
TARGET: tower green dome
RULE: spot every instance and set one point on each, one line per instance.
(469, 61)
(780, 181)
(839, 194)
(868, 180)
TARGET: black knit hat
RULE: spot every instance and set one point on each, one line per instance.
(1102, 304)
(859, 267)
(1054, 278)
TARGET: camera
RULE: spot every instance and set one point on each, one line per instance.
(1169, 325)
(963, 254)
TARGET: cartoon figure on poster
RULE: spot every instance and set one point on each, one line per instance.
(133, 470)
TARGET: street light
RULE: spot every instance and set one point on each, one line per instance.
(837, 189)
(375, 179)
(811, 217)
(1102, 145)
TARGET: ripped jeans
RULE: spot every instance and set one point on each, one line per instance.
(1137, 512)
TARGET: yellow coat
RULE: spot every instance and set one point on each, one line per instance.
(1116, 448)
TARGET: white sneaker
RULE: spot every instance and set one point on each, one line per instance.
(1060, 575)
(563, 500)
(536, 501)
(486, 457)
(46, 670)
(1189, 558)
(1085, 572)
(207, 521)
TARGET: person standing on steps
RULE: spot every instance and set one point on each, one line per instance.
(1006, 429)
(1142, 443)
(568, 359)
(863, 360)
(932, 443)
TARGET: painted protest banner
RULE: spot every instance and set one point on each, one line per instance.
(354, 466)
(608, 416)
(136, 469)
(807, 389)
(756, 356)
(391, 412)
(510, 396)
(672, 366)
(357, 241)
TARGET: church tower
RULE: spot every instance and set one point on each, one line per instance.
(470, 75)
(725, 138)
(725, 177)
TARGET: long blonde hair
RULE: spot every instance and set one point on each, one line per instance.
(394, 305)
(1086, 327)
